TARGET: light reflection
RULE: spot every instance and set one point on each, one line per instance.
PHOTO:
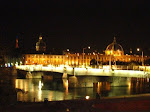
(40, 92)
(16, 84)
(21, 84)
(99, 87)
(25, 86)
(129, 87)
(65, 84)
(50, 96)
(34, 88)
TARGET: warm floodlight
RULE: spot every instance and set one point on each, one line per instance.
(138, 49)
(87, 97)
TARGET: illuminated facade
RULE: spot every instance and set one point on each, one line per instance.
(75, 59)
(113, 51)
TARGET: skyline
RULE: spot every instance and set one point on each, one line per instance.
(75, 24)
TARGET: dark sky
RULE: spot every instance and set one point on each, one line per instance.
(75, 24)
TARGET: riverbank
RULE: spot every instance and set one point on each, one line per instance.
(8, 71)
(128, 103)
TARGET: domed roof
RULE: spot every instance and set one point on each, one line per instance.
(41, 42)
(114, 49)
(40, 45)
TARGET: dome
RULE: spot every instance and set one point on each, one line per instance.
(114, 49)
(40, 45)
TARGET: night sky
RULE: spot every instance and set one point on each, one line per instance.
(75, 24)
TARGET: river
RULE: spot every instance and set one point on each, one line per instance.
(58, 89)
(35, 90)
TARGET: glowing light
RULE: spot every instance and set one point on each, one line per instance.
(40, 92)
(16, 84)
(40, 85)
(111, 52)
(87, 97)
(40, 38)
(8, 64)
(106, 67)
(147, 79)
(50, 96)
(129, 84)
(66, 85)
(5, 65)
(67, 110)
(86, 71)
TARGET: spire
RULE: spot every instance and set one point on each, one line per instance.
(114, 40)
(17, 46)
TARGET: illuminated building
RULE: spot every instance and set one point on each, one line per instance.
(44, 59)
(113, 51)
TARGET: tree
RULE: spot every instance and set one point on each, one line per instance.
(93, 62)
(147, 62)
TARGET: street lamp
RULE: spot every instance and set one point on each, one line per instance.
(138, 49)
(83, 53)
(97, 59)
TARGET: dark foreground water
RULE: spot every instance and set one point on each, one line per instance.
(58, 89)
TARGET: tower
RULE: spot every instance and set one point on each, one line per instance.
(17, 46)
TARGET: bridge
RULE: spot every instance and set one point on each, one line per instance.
(86, 71)
(118, 77)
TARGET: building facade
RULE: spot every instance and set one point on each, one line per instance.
(76, 59)
(114, 52)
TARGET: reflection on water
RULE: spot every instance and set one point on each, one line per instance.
(38, 89)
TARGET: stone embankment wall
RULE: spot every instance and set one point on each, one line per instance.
(8, 71)
(8, 94)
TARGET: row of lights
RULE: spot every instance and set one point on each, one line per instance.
(11, 64)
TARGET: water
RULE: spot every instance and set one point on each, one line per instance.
(58, 89)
